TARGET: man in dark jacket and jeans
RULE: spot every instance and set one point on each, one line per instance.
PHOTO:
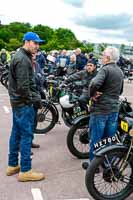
(23, 98)
(104, 91)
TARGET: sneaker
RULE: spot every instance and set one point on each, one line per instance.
(35, 145)
(12, 170)
(30, 176)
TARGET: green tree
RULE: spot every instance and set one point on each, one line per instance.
(17, 27)
(101, 47)
(2, 44)
(62, 38)
(6, 34)
(44, 32)
(86, 47)
(51, 45)
(66, 38)
(13, 44)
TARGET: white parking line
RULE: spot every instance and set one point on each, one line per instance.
(77, 199)
(4, 94)
(36, 192)
(6, 109)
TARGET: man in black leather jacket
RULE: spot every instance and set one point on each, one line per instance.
(23, 98)
(85, 77)
(105, 89)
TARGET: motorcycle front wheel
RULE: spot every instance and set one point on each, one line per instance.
(46, 119)
(78, 141)
(104, 179)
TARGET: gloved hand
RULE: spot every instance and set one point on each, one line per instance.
(37, 104)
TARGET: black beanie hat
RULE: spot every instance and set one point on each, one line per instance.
(93, 61)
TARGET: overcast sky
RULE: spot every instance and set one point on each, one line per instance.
(92, 20)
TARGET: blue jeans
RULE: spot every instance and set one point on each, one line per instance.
(101, 126)
(21, 137)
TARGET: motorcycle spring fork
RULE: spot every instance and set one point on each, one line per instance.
(124, 164)
(125, 160)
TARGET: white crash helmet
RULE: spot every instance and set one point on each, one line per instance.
(65, 103)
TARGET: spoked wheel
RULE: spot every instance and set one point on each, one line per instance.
(78, 141)
(45, 119)
(105, 179)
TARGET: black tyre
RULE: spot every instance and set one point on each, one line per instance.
(66, 121)
(6, 83)
(104, 181)
(4, 79)
(78, 141)
(46, 119)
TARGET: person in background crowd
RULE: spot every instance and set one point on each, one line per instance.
(104, 90)
(39, 76)
(3, 56)
(90, 55)
(23, 98)
(44, 54)
(125, 65)
(40, 59)
(62, 62)
(71, 68)
(55, 55)
(81, 59)
(12, 54)
(39, 79)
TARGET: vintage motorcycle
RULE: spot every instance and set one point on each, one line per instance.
(67, 98)
(78, 135)
(110, 174)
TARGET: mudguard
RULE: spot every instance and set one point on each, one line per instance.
(106, 149)
(45, 102)
(81, 120)
(57, 113)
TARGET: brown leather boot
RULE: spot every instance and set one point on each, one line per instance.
(12, 170)
(35, 145)
(30, 176)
